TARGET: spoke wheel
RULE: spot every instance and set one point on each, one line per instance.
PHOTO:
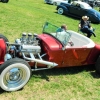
(15, 73)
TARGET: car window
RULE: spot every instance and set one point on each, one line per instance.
(62, 36)
(85, 6)
(82, 4)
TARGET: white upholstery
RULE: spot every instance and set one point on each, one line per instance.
(80, 40)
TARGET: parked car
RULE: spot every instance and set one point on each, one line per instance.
(55, 2)
(50, 49)
(78, 9)
(4, 1)
(91, 3)
(97, 3)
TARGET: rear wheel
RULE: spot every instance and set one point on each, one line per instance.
(60, 11)
(97, 65)
(14, 74)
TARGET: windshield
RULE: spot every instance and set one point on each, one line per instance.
(82, 4)
(85, 6)
(62, 36)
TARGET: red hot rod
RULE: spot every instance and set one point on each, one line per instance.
(50, 49)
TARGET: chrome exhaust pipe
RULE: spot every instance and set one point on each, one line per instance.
(50, 64)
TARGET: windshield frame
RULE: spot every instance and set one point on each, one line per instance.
(63, 36)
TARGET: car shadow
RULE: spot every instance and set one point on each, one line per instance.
(95, 74)
(44, 74)
(1, 91)
(69, 16)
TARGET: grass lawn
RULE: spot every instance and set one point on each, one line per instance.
(18, 16)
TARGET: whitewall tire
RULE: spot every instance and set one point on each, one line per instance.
(60, 11)
(14, 74)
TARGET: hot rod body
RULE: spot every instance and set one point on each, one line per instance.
(50, 49)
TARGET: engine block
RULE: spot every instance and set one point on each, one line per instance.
(31, 49)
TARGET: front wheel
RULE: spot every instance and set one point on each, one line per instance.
(97, 65)
(4, 38)
(60, 11)
(14, 74)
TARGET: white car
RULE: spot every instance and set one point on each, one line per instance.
(55, 2)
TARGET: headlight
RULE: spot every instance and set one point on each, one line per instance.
(7, 57)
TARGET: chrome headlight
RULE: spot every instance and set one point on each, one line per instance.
(7, 57)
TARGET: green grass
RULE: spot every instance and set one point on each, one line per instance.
(20, 16)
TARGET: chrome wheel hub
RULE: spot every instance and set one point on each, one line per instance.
(14, 77)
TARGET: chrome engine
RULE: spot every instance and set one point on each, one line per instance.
(29, 43)
(25, 45)
(28, 48)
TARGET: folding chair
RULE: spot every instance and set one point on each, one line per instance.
(86, 33)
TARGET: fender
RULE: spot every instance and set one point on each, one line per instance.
(64, 6)
(2, 50)
(95, 53)
(65, 9)
(91, 18)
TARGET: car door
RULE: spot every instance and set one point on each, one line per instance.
(74, 10)
(82, 12)
(75, 56)
(77, 10)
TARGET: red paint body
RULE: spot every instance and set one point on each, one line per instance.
(2, 50)
(69, 56)
(64, 58)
